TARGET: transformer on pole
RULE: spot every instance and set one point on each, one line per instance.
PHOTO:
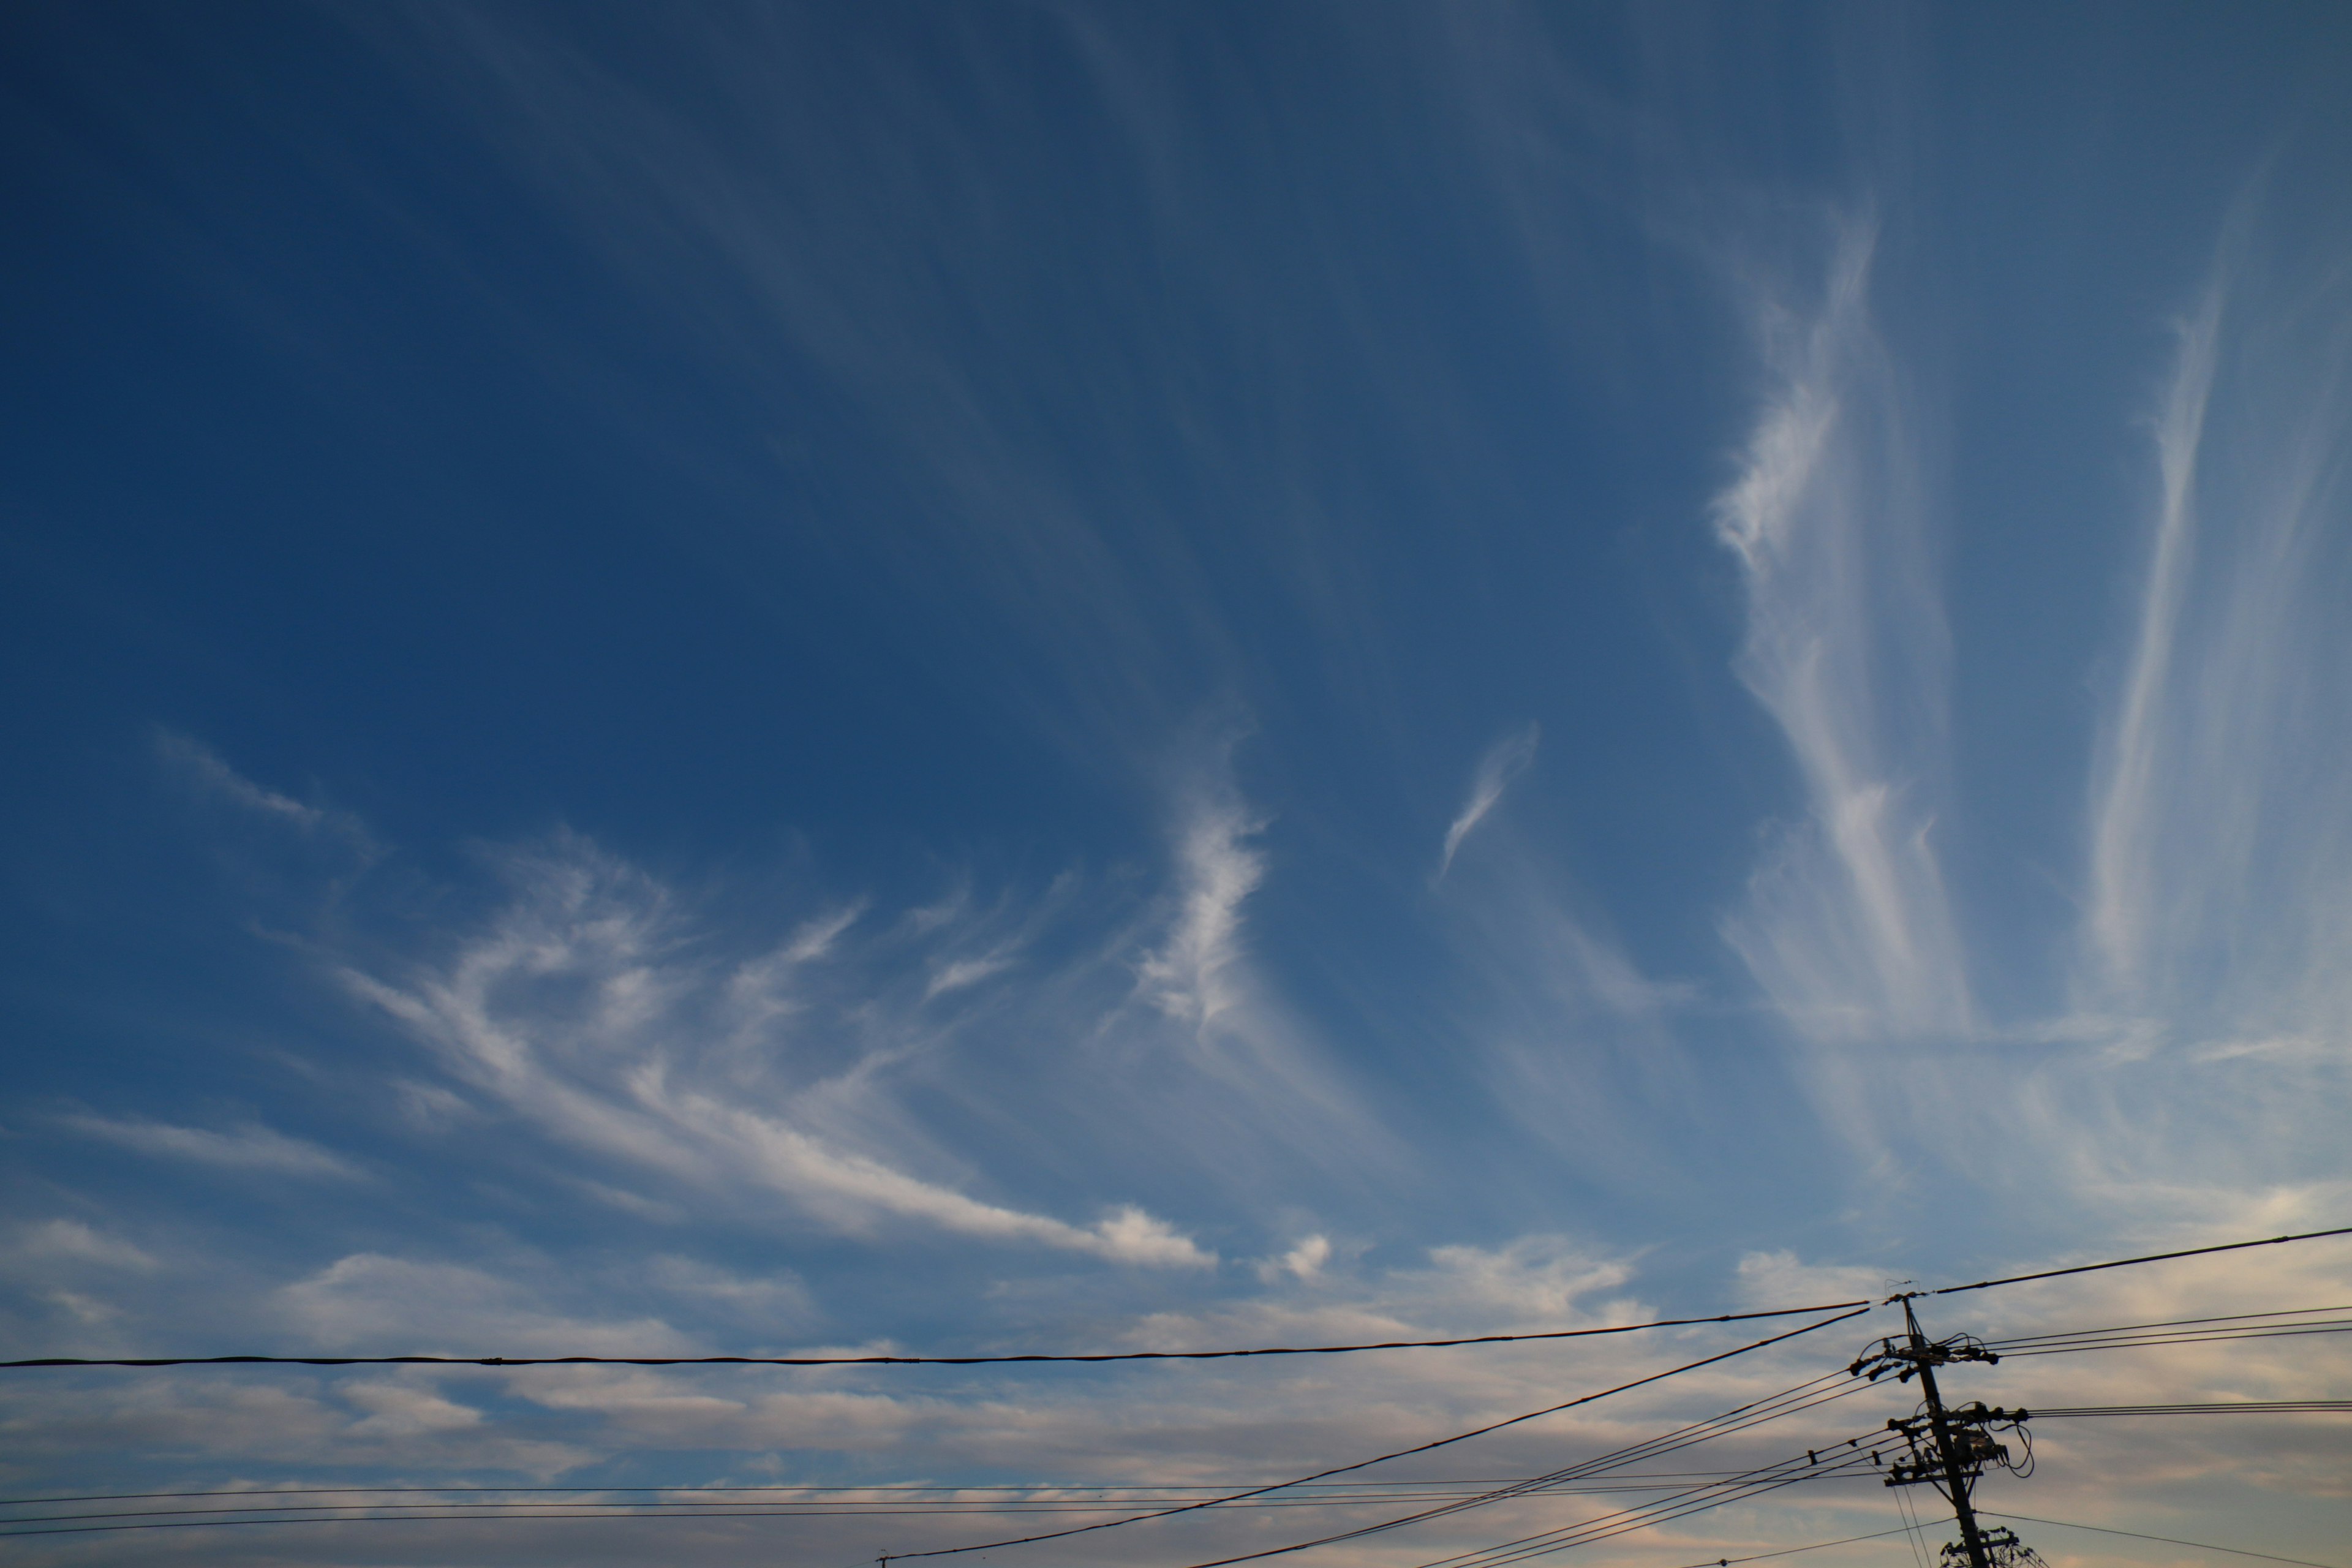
(1950, 1447)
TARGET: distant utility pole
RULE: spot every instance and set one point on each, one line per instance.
(1949, 1449)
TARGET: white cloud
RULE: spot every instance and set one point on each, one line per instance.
(295, 1422)
(959, 973)
(370, 1304)
(1503, 761)
(251, 1147)
(1305, 1261)
(71, 1241)
(2121, 889)
(1191, 975)
(203, 768)
(1846, 923)
(780, 1301)
(2219, 873)
(581, 1011)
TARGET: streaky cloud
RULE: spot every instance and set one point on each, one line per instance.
(2208, 987)
(1248, 1064)
(2122, 887)
(1847, 924)
(1190, 976)
(1505, 761)
(251, 1147)
(2219, 838)
(582, 1008)
(204, 769)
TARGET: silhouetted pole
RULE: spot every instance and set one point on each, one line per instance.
(1956, 1485)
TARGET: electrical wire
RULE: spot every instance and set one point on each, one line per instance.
(728, 1509)
(1662, 1509)
(148, 1361)
(1804, 1396)
(1625, 1521)
(2120, 1342)
(498, 1507)
(1697, 1433)
(1766, 1478)
(2230, 1408)
(1449, 1496)
(1914, 1532)
(1402, 1452)
(1792, 1551)
(2129, 1262)
(731, 1503)
(903, 1360)
(2171, 1324)
(2169, 1540)
(1026, 1486)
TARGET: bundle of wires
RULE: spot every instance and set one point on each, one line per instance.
(2180, 1331)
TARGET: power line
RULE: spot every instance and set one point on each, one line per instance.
(2171, 1324)
(1683, 1437)
(2168, 1540)
(2229, 1407)
(2124, 1342)
(901, 1359)
(1023, 1486)
(68, 1524)
(521, 1511)
(1695, 1499)
(1792, 1551)
(2150, 1258)
(1402, 1452)
(148, 1361)
(876, 1500)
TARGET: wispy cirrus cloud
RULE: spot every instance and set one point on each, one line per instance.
(206, 770)
(1505, 761)
(1846, 923)
(585, 1009)
(2208, 1060)
(250, 1147)
(1192, 975)
(2220, 844)
(368, 1301)
(2120, 913)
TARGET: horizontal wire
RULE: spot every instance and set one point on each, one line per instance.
(2129, 1262)
(1793, 1551)
(2270, 1323)
(48, 1527)
(901, 1359)
(2168, 1324)
(1630, 1527)
(1402, 1452)
(1024, 1487)
(332, 1513)
(150, 1361)
(374, 1519)
(1770, 1477)
(2169, 1540)
(1603, 1526)
(1665, 1512)
(76, 1525)
(2227, 1407)
(728, 1508)
(493, 1511)
(1536, 1487)
(2125, 1343)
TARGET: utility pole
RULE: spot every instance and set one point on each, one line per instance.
(1957, 1442)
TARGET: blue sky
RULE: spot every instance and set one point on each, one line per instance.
(743, 678)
